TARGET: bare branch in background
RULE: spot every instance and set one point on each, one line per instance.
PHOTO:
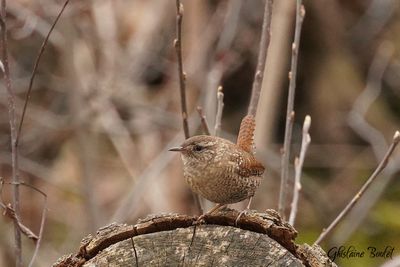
(275, 74)
(358, 122)
(226, 37)
(356, 118)
(133, 199)
(262, 58)
(13, 132)
(373, 21)
(182, 82)
(245, 139)
(220, 108)
(42, 222)
(230, 26)
(203, 120)
(299, 161)
(36, 65)
(10, 213)
(181, 73)
(132, 202)
(15, 211)
(33, 22)
(106, 111)
(300, 13)
(350, 205)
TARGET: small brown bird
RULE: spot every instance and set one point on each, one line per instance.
(219, 170)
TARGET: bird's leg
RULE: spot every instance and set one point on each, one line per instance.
(201, 218)
(244, 212)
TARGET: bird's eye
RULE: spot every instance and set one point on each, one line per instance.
(198, 148)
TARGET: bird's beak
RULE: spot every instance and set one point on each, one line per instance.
(178, 149)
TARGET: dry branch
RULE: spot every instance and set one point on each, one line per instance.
(350, 205)
(13, 132)
(133, 200)
(299, 161)
(220, 108)
(357, 120)
(10, 213)
(262, 58)
(203, 121)
(182, 83)
(225, 37)
(14, 211)
(300, 13)
(357, 116)
(181, 73)
(245, 138)
(42, 222)
(34, 71)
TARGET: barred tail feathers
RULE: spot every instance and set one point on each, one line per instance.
(245, 138)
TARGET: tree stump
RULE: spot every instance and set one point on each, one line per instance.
(259, 239)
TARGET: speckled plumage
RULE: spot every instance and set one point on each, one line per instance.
(219, 170)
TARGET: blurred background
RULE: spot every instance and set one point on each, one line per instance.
(105, 108)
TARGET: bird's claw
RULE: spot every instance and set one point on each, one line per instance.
(200, 220)
(243, 212)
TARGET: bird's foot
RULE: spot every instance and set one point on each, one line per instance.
(243, 212)
(200, 220)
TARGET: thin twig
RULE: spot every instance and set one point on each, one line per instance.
(358, 122)
(350, 205)
(42, 222)
(220, 108)
(9, 212)
(34, 71)
(357, 116)
(225, 37)
(300, 13)
(230, 24)
(262, 58)
(182, 75)
(245, 138)
(13, 132)
(34, 23)
(203, 120)
(133, 199)
(298, 163)
(182, 82)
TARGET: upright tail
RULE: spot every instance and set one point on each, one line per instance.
(245, 138)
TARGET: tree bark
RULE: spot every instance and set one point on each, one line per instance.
(259, 239)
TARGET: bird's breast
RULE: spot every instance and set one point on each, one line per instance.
(223, 186)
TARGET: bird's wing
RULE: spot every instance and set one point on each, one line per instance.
(247, 166)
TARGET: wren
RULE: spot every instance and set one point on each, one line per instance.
(219, 170)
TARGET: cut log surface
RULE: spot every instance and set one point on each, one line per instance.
(260, 239)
